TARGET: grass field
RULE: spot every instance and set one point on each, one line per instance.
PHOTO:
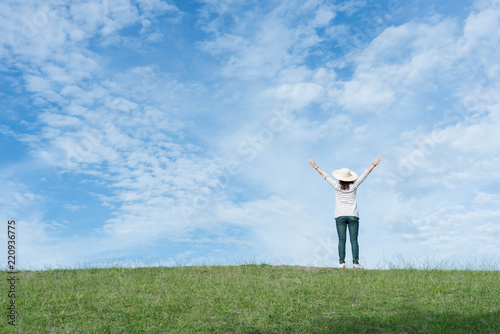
(254, 299)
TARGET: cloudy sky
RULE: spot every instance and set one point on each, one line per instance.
(149, 132)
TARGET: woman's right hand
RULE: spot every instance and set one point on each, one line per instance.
(377, 160)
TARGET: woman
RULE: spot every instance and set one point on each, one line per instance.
(346, 207)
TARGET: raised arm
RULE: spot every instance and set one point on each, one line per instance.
(375, 163)
(316, 167)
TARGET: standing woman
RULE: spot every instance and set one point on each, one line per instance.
(346, 207)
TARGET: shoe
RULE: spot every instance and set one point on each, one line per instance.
(342, 265)
(357, 266)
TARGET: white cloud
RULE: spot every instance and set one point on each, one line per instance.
(398, 63)
(323, 16)
(350, 7)
(368, 93)
(299, 95)
(274, 43)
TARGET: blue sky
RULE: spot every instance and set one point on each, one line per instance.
(156, 132)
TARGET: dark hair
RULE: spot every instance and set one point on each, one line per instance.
(344, 185)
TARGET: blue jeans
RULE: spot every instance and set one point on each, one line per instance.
(353, 223)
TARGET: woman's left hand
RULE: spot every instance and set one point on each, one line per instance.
(312, 163)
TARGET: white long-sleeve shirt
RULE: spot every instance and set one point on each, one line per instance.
(345, 200)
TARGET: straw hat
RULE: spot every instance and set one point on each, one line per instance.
(344, 174)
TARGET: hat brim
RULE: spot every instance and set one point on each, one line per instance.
(336, 174)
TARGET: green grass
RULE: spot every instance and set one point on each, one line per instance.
(254, 299)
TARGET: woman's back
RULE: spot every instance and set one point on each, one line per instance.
(345, 200)
(346, 207)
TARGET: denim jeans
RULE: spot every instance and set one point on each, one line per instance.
(353, 223)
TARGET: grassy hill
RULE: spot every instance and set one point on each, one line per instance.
(254, 299)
